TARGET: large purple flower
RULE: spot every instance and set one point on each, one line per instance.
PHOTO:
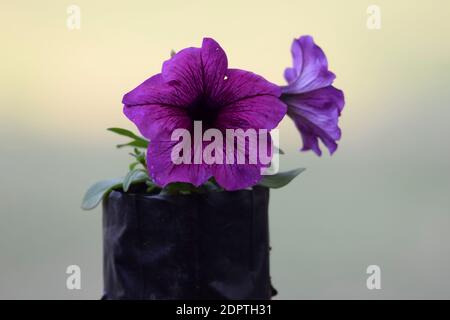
(313, 103)
(196, 85)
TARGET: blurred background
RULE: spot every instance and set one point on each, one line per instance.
(382, 199)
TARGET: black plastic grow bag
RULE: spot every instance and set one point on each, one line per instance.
(199, 246)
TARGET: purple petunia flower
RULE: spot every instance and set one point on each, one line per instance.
(196, 85)
(313, 103)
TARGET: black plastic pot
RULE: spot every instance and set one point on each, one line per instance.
(201, 246)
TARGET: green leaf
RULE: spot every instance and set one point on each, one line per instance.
(151, 187)
(134, 176)
(179, 188)
(133, 165)
(140, 157)
(98, 191)
(136, 142)
(124, 132)
(280, 179)
(211, 185)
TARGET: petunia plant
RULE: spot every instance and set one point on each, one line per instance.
(198, 100)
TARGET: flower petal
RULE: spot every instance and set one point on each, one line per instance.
(155, 91)
(156, 108)
(184, 72)
(290, 74)
(157, 121)
(249, 101)
(236, 177)
(240, 175)
(316, 116)
(214, 65)
(310, 67)
(163, 171)
(196, 71)
(258, 112)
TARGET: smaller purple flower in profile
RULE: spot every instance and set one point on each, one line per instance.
(313, 103)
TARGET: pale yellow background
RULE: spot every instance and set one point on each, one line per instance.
(382, 199)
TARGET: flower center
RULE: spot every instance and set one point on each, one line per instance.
(203, 111)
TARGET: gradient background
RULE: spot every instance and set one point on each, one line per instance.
(383, 198)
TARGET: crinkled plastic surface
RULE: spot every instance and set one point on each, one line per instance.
(199, 246)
